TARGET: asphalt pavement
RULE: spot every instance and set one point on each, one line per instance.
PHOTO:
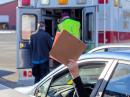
(8, 72)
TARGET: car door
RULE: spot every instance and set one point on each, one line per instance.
(118, 84)
(61, 84)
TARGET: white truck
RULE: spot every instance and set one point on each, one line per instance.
(102, 22)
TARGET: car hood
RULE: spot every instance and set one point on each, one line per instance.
(25, 90)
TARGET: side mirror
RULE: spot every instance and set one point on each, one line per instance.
(37, 93)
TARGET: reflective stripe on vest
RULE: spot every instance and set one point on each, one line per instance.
(72, 26)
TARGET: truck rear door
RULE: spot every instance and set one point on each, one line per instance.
(27, 20)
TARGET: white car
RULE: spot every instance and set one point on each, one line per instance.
(107, 74)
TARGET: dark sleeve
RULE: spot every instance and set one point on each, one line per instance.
(80, 88)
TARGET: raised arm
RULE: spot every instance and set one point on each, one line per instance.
(74, 71)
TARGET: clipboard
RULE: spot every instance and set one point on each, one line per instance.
(67, 47)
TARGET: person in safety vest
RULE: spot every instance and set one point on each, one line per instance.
(70, 25)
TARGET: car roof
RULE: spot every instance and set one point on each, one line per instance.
(106, 55)
(112, 47)
(97, 55)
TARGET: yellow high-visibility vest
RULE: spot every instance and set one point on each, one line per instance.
(71, 26)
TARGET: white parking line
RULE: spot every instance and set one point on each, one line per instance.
(7, 31)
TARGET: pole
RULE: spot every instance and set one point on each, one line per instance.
(118, 19)
(104, 21)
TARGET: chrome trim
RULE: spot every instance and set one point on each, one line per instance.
(109, 46)
(106, 79)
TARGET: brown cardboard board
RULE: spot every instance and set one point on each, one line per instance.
(67, 47)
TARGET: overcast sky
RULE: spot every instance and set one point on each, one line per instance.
(4, 1)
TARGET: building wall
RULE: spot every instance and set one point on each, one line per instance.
(10, 10)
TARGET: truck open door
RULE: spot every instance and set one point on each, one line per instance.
(50, 24)
(89, 27)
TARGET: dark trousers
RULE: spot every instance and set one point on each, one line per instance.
(40, 70)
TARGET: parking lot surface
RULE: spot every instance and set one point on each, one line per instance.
(8, 75)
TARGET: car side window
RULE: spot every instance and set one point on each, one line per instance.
(86, 72)
(62, 85)
(119, 84)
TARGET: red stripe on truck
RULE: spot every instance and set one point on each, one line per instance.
(102, 1)
(114, 37)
